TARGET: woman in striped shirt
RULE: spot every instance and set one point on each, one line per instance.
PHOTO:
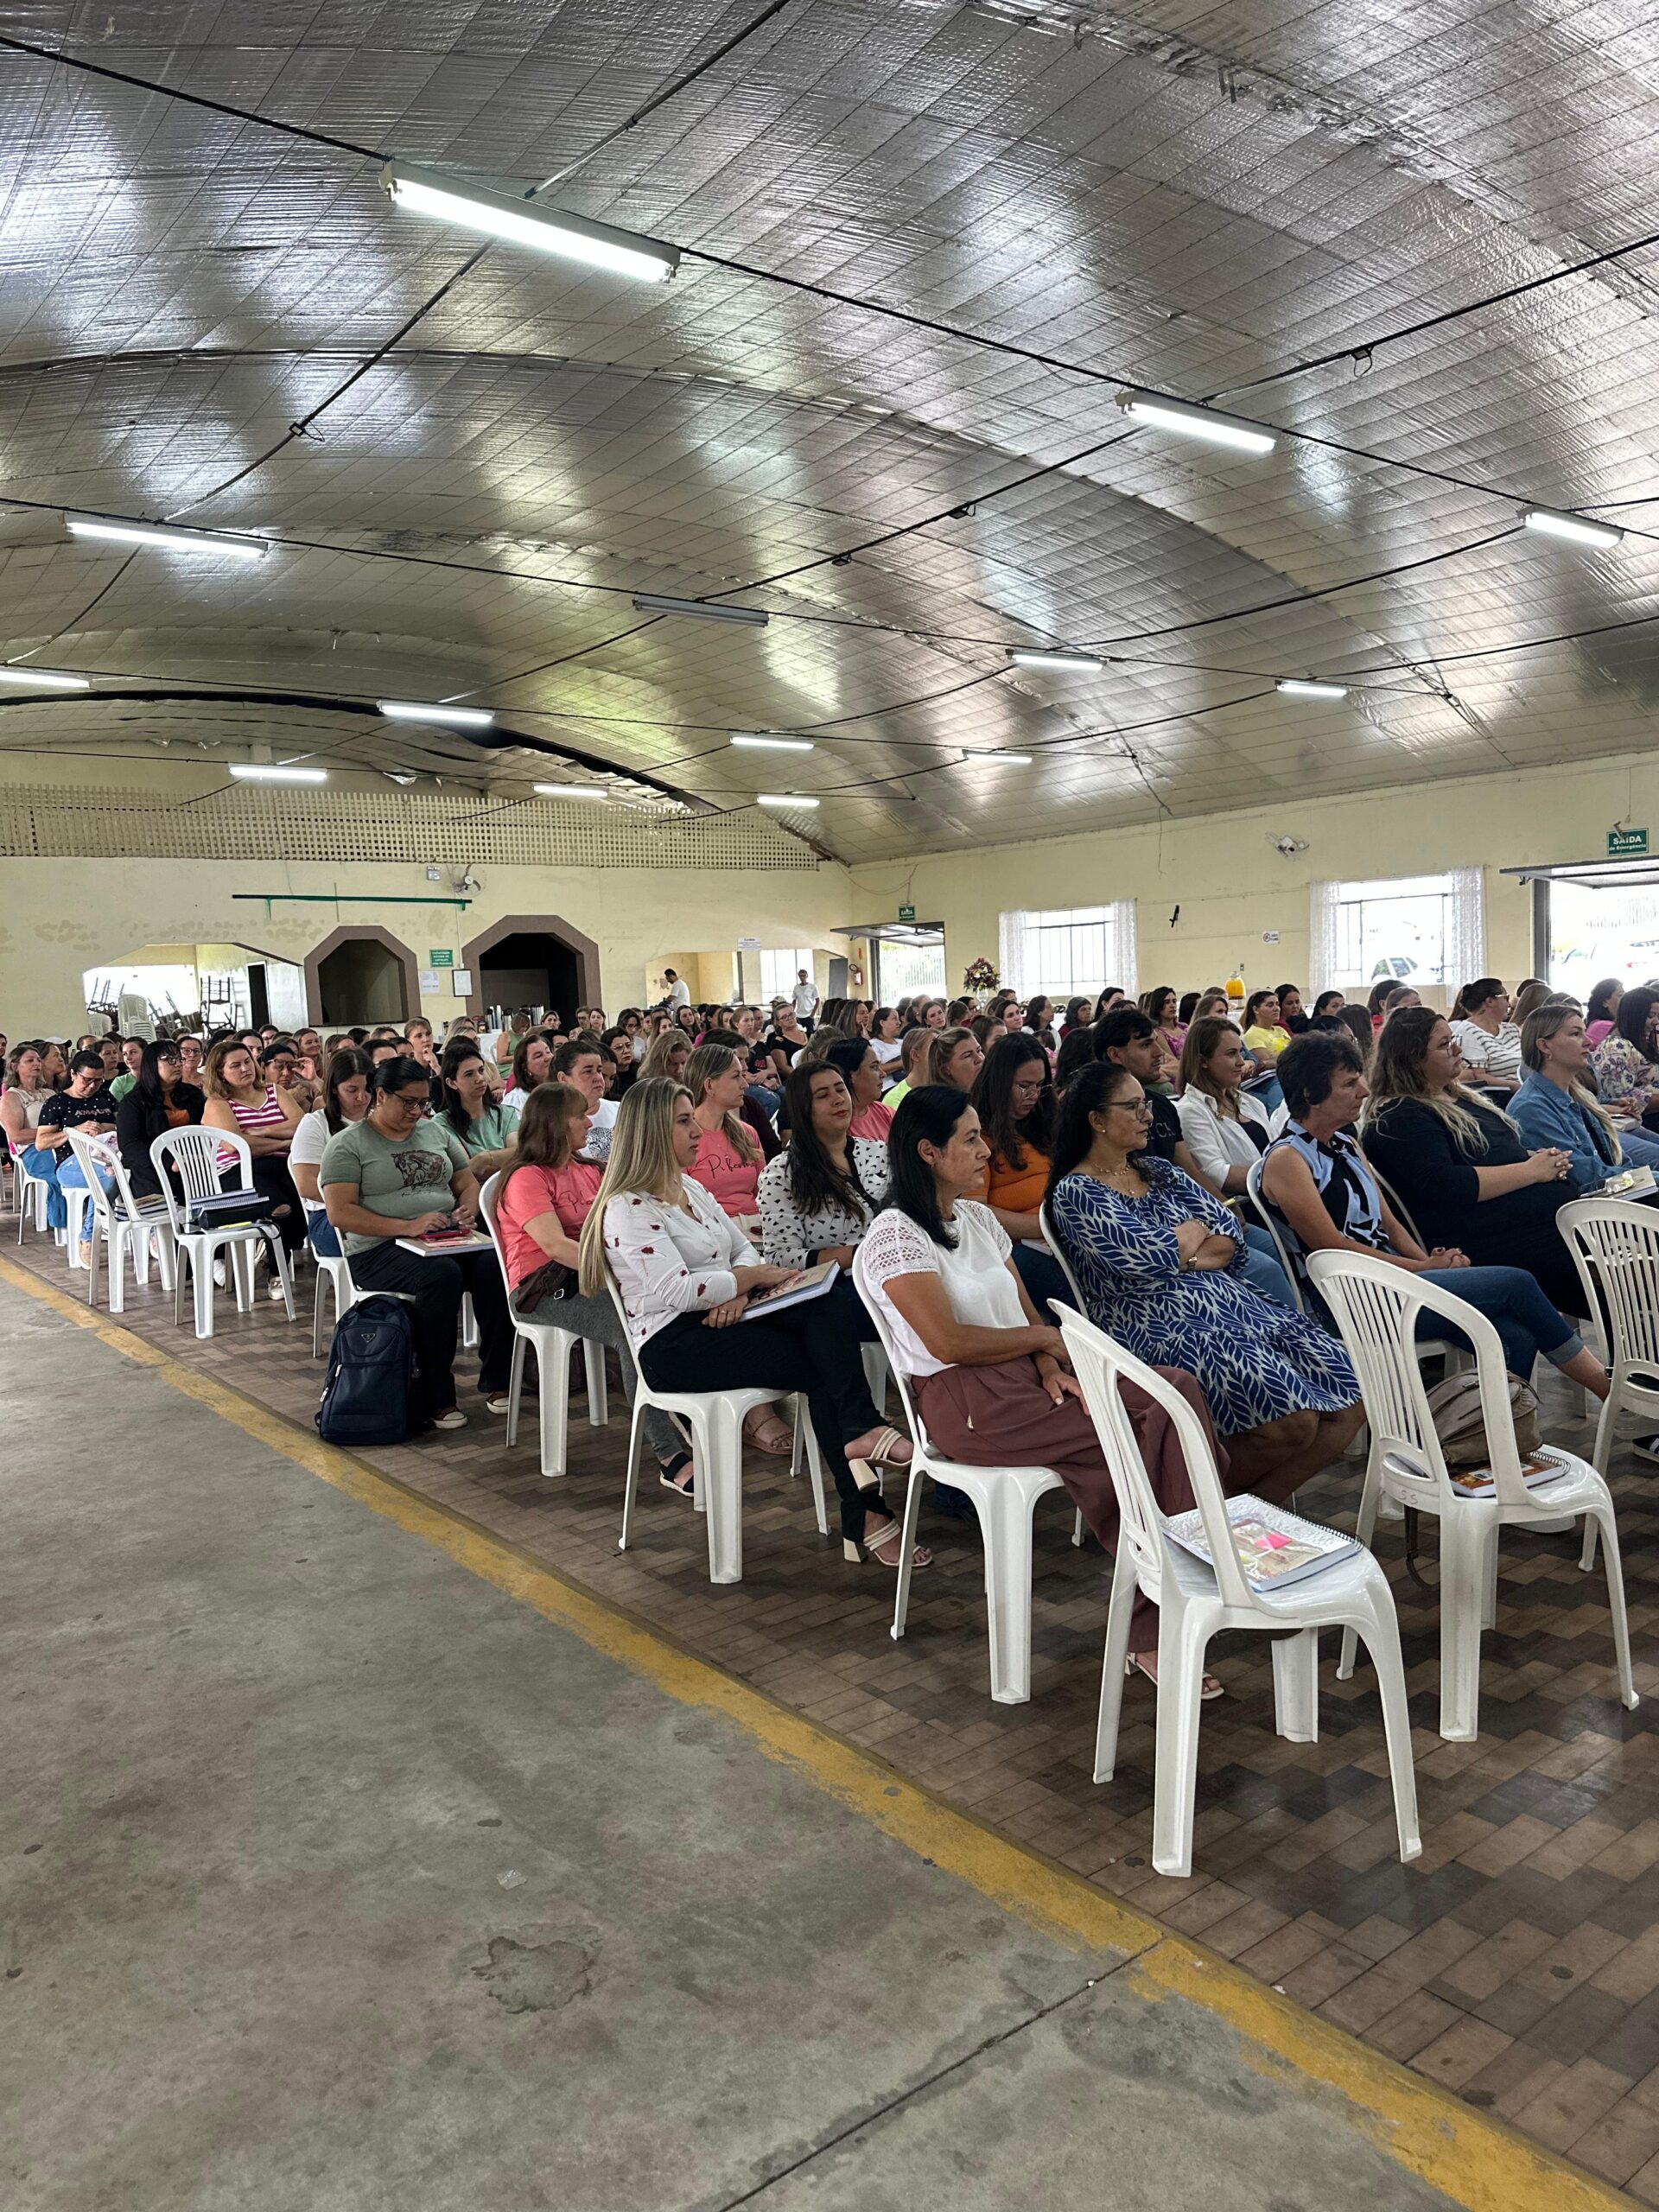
(240, 1099)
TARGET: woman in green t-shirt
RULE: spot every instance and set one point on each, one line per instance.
(398, 1172)
(471, 1106)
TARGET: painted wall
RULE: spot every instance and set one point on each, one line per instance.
(59, 918)
(1230, 884)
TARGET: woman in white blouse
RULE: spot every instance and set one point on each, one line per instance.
(686, 1274)
(1490, 1042)
(1225, 1130)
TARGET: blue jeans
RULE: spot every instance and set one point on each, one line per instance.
(1262, 1270)
(1526, 1322)
(45, 1165)
(1640, 1148)
(770, 1101)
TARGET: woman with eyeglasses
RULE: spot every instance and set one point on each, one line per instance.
(399, 1173)
(160, 1099)
(1157, 1258)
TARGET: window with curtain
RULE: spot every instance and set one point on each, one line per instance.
(780, 969)
(1066, 950)
(1424, 930)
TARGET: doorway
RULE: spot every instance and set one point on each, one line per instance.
(532, 960)
(362, 976)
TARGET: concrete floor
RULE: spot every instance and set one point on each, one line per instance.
(335, 1880)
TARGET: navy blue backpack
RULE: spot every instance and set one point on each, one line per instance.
(370, 1394)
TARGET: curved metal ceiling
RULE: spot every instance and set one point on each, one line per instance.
(923, 244)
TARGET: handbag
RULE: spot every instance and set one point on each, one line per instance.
(551, 1280)
(229, 1210)
(1455, 1405)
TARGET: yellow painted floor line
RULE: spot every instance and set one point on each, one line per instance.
(1473, 2159)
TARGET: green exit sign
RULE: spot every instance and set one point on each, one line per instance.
(439, 958)
(906, 913)
(1626, 844)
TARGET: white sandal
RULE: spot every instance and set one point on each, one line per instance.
(880, 1454)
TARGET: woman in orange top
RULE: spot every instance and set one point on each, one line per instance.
(1013, 1097)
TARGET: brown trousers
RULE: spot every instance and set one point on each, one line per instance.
(1003, 1417)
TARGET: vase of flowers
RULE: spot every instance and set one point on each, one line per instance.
(980, 975)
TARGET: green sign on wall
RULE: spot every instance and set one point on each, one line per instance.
(438, 958)
(1626, 844)
(906, 913)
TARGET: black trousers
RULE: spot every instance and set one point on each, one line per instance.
(811, 1348)
(435, 1286)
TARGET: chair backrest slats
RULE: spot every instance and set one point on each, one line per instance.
(195, 1153)
(1615, 1246)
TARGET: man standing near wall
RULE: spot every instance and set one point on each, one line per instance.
(806, 996)
(679, 991)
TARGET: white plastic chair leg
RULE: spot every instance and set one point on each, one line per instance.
(1587, 1556)
(115, 1275)
(553, 1372)
(239, 1253)
(1488, 1593)
(906, 1553)
(1119, 1614)
(807, 1440)
(1614, 1564)
(1463, 1590)
(1181, 1646)
(1382, 1637)
(324, 1277)
(631, 1480)
(599, 1401)
(77, 1201)
(468, 1323)
(1005, 1526)
(721, 1464)
(515, 1385)
(1078, 1530)
(1364, 1529)
(202, 1283)
(1296, 1686)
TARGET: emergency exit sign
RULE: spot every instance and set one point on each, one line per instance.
(1626, 844)
(906, 913)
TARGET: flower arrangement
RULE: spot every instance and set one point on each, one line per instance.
(980, 975)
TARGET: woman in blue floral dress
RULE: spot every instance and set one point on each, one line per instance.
(1157, 1260)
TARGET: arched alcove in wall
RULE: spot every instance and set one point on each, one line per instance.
(361, 973)
(532, 960)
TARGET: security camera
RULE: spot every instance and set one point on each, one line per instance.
(1289, 847)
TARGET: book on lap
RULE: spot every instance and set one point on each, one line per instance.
(812, 1284)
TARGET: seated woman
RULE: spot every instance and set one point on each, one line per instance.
(1320, 1186)
(398, 1172)
(861, 1070)
(1556, 1106)
(542, 1203)
(1162, 1008)
(1291, 1015)
(83, 1103)
(912, 1048)
(533, 1063)
(1327, 1011)
(1601, 1010)
(884, 1036)
(1157, 1258)
(953, 1057)
(132, 1053)
(160, 1100)
(1015, 1102)
(1624, 1064)
(580, 1063)
(666, 1057)
(1458, 1165)
(1265, 1035)
(241, 1099)
(1225, 1128)
(729, 1157)
(471, 1106)
(345, 1098)
(617, 1047)
(686, 1271)
(988, 1374)
(1489, 1040)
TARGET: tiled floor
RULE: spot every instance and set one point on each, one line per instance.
(1515, 1963)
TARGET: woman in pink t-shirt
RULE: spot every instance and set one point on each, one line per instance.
(539, 1211)
(729, 1158)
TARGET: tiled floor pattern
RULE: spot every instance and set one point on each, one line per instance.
(1517, 1962)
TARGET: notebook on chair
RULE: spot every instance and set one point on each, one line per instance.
(1274, 1547)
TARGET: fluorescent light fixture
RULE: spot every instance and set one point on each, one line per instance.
(782, 799)
(521, 221)
(1006, 759)
(755, 741)
(700, 610)
(415, 710)
(1298, 687)
(1163, 414)
(403, 776)
(165, 535)
(571, 790)
(1043, 657)
(256, 772)
(1550, 521)
(41, 679)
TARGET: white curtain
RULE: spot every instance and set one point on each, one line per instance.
(1123, 969)
(1016, 961)
(1465, 948)
(1322, 937)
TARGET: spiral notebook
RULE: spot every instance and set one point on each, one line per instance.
(1274, 1547)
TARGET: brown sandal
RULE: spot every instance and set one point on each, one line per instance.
(777, 1442)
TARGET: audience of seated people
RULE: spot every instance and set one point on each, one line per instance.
(246, 1102)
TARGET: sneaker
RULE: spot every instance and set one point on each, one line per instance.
(1646, 1447)
(452, 1417)
(274, 1288)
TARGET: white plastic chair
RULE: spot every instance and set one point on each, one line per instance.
(1005, 1499)
(34, 1193)
(1196, 1602)
(1375, 1308)
(334, 1276)
(1265, 1218)
(1614, 1247)
(716, 1419)
(193, 1153)
(120, 1223)
(553, 1347)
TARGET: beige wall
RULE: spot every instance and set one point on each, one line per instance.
(1230, 884)
(61, 916)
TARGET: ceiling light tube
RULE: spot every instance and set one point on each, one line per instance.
(164, 534)
(1161, 413)
(1305, 687)
(1550, 521)
(782, 799)
(571, 790)
(1006, 759)
(524, 221)
(1056, 657)
(41, 679)
(256, 772)
(415, 710)
(699, 610)
(756, 741)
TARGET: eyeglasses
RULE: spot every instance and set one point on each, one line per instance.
(1138, 1107)
(406, 1103)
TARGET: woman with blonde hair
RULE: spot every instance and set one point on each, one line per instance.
(729, 1157)
(1224, 1128)
(953, 1057)
(666, 1057)
(1556, 1105)
(686, 1275)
